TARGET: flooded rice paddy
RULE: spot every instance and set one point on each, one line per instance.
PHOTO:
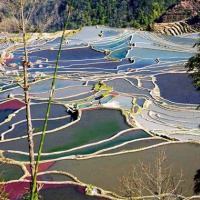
(149, 104)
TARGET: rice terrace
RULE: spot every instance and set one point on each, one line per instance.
(121, 96)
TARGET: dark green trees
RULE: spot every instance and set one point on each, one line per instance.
(193, 66)
(115, 13)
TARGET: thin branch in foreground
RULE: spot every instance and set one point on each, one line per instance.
(153, 181)
(34, 188)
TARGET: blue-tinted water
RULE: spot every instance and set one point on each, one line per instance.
(180, 40)
(70, 54)
(124, 102)
(140, 102)
(113, 45)
(110, 33)
(4, 114)
(153, 54)
(138, 63)
(119, 54)
(177, 88)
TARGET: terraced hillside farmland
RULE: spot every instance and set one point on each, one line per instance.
(132, 96)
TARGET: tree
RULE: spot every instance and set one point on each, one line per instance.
(3, 194)
(197, 182)
(17, 7)
(34, 189)
(193, 67)
(153, 181)
(113, 13)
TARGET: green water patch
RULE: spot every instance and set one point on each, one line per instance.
(16, 156)
(125, 137)
(66, 192)
(21, 128)
(85, 105)
(135, 145)
(55, 177)
(94, 126)
(8, 87)
(95, 101)
(85, 135)
(182, 156)
(10, 172)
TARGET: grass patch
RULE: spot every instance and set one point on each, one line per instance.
(102, 86)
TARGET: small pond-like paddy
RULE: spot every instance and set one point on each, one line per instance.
(179, 89)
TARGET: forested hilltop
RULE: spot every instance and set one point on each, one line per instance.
(50, 14)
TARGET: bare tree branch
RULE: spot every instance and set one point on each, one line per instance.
(153, 181)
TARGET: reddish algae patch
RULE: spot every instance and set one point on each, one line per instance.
(12, 104)
(16, 189)
(113, 93)
(42, 166)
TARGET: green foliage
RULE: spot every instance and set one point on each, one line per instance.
(21, 75)
(27, 196)
(193, 66)
(126, 13)
(3, 194)
(112, 59)
(107, 52)
(18, 79)
(150, 27)
(105, 94)
(102, 86)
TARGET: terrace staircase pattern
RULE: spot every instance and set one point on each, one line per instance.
(176, 28)
(125, 106)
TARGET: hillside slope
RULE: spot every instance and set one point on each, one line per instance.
(181, 18)
(184, 10)
(51, 14)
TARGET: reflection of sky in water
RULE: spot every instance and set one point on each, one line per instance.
(148, 53)
(138, 63)
(124, 102)
(46, 85)
(70, 54)
(179, 89)
(187, 41)
(82, 66)
(121, 85)
(140, 102)
(87, 60)
(159, 46)
(138, 38)
(114, 45)
(88, 33)
(120, 54)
